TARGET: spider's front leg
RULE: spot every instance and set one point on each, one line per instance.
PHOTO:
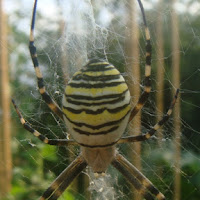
(142, 184)
(59, 185)
(46, 97)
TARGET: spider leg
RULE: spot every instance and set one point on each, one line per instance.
(49, 101)
(64, 179)
(57, 142)
(137, 179)
(147, 81)
(152, 130)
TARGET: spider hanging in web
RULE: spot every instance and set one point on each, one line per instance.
(96, 110)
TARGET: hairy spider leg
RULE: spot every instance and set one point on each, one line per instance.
(134, 176)
(147, 81)
(64, 179)
(152, 131)
(46, 97)
(44, 139)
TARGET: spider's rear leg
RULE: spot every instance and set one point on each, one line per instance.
(147, 81)
(46, 97)
(44, 139)
(151, 132)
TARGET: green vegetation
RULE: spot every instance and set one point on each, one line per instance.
(35, 165)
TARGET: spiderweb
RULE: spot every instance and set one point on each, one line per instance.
(67, 35)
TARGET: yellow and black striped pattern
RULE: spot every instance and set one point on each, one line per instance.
(33, 52)
(43, 138)
(96, 105)
(141, 183)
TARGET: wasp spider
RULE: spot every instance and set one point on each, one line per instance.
(96, 109)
